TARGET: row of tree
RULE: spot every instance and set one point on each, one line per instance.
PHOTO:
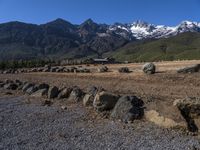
(24, 64)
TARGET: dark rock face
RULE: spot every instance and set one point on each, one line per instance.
(128, 108)
(190, 69)
(149, 68)
(53, 92)
(124, 70)
(27, 86)
(64, 93)
(10, 86)
(43, 86)
(105, 101)
(190, 110)
(31, 90)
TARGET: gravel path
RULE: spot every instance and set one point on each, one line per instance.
(32, 126)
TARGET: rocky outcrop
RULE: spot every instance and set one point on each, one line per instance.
(76, 94)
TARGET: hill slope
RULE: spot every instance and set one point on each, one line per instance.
(182, 46)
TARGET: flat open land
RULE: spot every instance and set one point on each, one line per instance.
(34, 126)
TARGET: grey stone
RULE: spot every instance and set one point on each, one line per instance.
(149, 68)
(128, 108)
(53, 92)
(27, 86)
(64, 93)
(104, 101)
(88, 100)
(10, 86)
(190, 69)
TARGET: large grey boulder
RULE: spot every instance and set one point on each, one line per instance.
(128, 108)
(190, 110)
(53, 92)
(76, 94)
(27, 86)
(64, 93)
(40, 93)
(104, 101)
(190, 69)
(149, 68)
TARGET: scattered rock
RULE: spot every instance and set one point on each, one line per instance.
(124, 70)
(103, 69)
(64, 93)
(53, 92)
(149, 68)
(64, 107)
(128, 108)
(92, 90)
(190, 69)
(88, 100)
(104, 101)
(47, 103)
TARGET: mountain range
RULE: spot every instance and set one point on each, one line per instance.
(61, 39)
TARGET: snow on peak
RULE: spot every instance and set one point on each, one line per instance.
(142, 30)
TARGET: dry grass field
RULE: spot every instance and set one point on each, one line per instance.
(158, 90)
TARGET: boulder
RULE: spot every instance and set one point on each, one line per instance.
(124, 70)
(190, 110)
(103, 69)
(43, 86)
(128, 108)
(104, 101)
(31, 90)
(40, 93)
(92, 90)
(190, 69)
(10, 86)
(53, 92)
(88, 100)
(76, 94)
(27, 86)
(149, 68)
(64, 93)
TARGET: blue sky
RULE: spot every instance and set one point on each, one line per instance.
(168, 12)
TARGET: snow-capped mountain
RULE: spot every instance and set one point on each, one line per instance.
(143, 30)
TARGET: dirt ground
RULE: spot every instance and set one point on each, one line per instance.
(158, 91)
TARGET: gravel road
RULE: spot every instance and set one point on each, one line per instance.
(26, 125)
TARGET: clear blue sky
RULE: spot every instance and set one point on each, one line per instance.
(168, 12)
